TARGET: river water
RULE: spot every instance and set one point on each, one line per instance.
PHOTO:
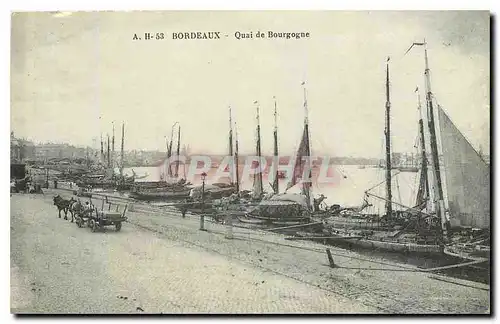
(347, 185)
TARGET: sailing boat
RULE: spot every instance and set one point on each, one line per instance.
(467, 185)
(197, 204)
(400, 228)
(104, 179)
(165, 191)
(289, 208)
(123, 182)
(453, 205)
(461, 183)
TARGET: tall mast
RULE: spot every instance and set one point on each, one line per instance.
(102, 150)
(236, 160)
(166, 165)
(109, 157)
(276, 179)
(121, 151)
(258, 176)
(433, 141)
(306, 188)
(423, 170)
(169, 151)
(434, 148)
(178, 151)
(388, 166)
(231, 144)
(113, 147)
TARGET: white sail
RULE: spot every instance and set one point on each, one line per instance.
(467, 177)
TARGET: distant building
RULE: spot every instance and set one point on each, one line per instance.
(21, 149)
(59, 151)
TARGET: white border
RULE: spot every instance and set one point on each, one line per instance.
(93, 5)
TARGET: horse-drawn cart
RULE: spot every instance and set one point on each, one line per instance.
(98, 219)
(102, 218)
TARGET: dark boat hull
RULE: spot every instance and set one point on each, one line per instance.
(160, 196)
(483, 256)
(408, 169)
(396, 246)
(267, 221)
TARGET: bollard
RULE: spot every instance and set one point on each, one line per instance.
(202, 222)
(229, 224)
(330, 258)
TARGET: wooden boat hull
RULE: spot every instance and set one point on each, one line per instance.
(390, 241)
(278, 211)
(215, 193)
(96, 184)
(288, 223)
(160, 196)
(340, 222)
(158, 185)
(393, 246)
(247, 220)
(278, 219)
(470, 256)
(277, 222)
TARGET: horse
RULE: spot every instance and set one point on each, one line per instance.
(75, 208)
(64, 205)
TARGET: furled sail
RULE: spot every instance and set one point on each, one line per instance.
(301, 162)
(422, 194)
(467, 177)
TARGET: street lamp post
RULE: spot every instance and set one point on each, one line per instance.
(47, 178)
(202, 216)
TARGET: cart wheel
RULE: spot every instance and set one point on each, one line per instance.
(118, 226)
(93, 225)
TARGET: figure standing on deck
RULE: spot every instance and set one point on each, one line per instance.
(317, 202)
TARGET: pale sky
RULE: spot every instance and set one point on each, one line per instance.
(72, 75)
